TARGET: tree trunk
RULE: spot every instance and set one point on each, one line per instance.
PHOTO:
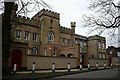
(6, 40)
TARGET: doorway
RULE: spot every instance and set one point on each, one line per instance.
(16, 58)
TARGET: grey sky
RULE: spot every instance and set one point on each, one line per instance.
(72, 11)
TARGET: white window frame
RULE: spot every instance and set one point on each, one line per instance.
(35, 37)
(50, 36)
(18, 34)
(26, 35)
(35, 52)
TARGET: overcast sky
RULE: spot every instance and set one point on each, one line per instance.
(72, 11)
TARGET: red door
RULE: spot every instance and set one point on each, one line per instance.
(16, 58)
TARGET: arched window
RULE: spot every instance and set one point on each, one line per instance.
(50, 36)
(62, 55)
(34, 51)
(70, 55)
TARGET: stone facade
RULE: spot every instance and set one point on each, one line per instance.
(42, 35)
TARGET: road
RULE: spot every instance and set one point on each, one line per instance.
(109, 73)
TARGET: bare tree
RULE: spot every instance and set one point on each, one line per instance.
(106, 16)
(24, 7)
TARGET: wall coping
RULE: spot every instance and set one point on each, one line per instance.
(52, 56)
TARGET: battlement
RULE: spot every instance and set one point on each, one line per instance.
(80, 37)
(47, 13)
(73, 24)
(96, 37)
(27, 21)
(65, 30)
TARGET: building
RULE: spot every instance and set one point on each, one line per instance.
(42, 39)
(113, 55)
(97, 50)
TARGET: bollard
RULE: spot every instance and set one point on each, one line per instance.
(111, 65)
(68, 66)
(53, 67)
(33, 67)
(14, 68)
(104, 65)
(96, 65)
(80, 66)
(88, 66)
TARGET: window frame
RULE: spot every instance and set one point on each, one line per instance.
(18, 34)
(34, 52)
(50, 36)
(35, 37)
(28, 35)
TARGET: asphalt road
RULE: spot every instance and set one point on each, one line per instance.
(109, 73)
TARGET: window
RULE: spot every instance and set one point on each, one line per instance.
(34, 51)
(103, 45)
(63, 41)
(118, 53)
(99, 45)
(103, 55)
(81, 46)
(18, 32)
(55, 51)
(26, 35)
(76, 41)
(84, 43)
(28, 51)
(110, 52)
(50, 37)
(80, 58)
(100, 55)
(69, 42)
(45, 52)
(35, 36)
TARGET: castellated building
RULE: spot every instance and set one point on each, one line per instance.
(43, 41)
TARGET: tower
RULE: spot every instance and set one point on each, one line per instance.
(73, 25)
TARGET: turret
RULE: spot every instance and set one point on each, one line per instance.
(14, 9)
(73, 25)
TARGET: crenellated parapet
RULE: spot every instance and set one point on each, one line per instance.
(27, 21)
(81, 37)
(96, 37)
(47, 12)
(65, 30)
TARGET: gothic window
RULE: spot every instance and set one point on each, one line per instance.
(35, 37)
(50, 37)
(26, 35)
(34, 51)
(18, 32)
